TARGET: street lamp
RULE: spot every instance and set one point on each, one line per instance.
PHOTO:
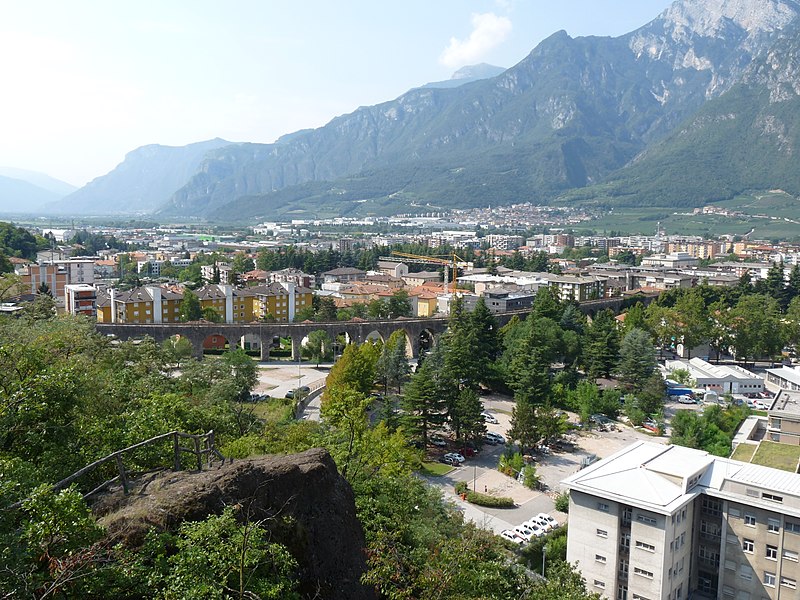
(544, 556)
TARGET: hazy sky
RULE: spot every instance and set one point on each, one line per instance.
(84, 82)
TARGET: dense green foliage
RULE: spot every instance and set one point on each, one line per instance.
(712, 431)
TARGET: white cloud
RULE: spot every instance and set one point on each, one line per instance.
(488, 30)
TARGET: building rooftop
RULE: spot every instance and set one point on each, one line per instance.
(662, 478)
(788, 373)
(786, 402)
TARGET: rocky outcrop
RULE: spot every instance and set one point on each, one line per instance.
(306, 504)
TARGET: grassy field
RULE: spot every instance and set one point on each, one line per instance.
(435, 469)
(765, 214)
(744, 452)
(777, 456)
(274, 410)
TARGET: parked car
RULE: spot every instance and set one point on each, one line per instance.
(549, 519)
(494, 438)
(685, 400)
(490, 418)
(289, 394)
(535, 529)
(449, 460)
(525, 533)
(508, 534)
(455, 456)
(543, 524)
(438, 441)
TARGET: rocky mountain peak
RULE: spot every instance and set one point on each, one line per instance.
(690, 33)
(713, 18)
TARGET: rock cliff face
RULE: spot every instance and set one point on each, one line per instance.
(311, 505)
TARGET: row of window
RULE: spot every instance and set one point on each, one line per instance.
(773, 525)
(771, 552)
(787, 582)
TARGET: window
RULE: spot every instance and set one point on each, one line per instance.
(711, 506)
(645, 519)
(730, 565)
(734, 512)
(645, 546)
(748, 546)
(771, 497)
(643, 573)
(602, 506)
(769, 579)
(788, 582)
(683, 538)
(792, 526)
(745, 572)
(602, 533)
(639, 597)
(772, 552)
(600, 559)
(773, 525)
(728, 591)
(750, 519)
(790, 555)
(599, 584)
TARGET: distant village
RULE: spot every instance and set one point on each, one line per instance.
(579, 267)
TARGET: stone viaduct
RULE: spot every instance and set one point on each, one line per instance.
(418, 331)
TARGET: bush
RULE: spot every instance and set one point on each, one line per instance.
(510, 464)
(461, 487)
(529, 477)
(562, 502)
(489, 501)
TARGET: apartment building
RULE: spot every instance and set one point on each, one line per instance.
(231, 304)
(280, 301)
(656, 522)
(80, 299)
(580, 288)
(56, 275)
(148, 304)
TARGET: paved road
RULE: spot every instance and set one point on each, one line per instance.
(278, 377)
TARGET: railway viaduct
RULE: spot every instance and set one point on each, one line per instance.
(418, 331)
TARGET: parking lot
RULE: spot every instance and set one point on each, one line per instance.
(481, 474)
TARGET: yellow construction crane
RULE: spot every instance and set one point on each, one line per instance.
(451, 261)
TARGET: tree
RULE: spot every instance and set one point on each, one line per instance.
(209, 313)
(756, 328)
(465, 418)
(220, 558)
(190, 307)
(601, 346)
(484, 323)
(775, 284)
(637, 360)
(693, 326)
(242, 263)
(392, 367)
(318, 346)
(635, 317)
(423, 402)
(563, 583)
(399, 304)
(524, 427)
(355, 369)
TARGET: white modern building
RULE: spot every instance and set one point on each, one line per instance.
(657, 522)
(723, 379)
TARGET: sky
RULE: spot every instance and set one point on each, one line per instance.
(86, 81)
